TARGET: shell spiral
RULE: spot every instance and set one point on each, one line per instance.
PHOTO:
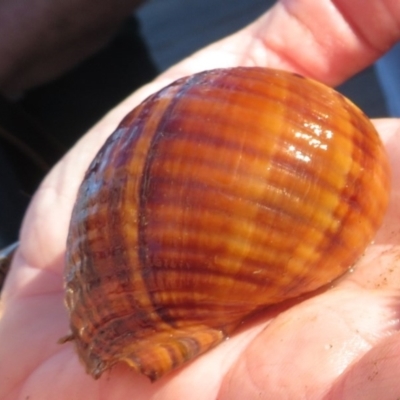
(223, 193)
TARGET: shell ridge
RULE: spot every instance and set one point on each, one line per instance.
(144, 184)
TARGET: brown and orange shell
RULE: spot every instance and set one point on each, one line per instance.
(223, 193)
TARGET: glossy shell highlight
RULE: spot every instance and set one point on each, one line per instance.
(223, 193)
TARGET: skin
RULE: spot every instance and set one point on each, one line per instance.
(341, 344)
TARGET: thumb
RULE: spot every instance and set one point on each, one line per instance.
(328, 40)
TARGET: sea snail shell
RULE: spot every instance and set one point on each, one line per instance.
(223, 193)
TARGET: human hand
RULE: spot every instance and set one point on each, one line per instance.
(342, 344)
(41, 39)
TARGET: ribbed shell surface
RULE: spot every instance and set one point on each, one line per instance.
(223, 193)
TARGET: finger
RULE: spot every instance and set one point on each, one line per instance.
(327, 40)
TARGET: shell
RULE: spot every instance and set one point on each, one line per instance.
(223, 193)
